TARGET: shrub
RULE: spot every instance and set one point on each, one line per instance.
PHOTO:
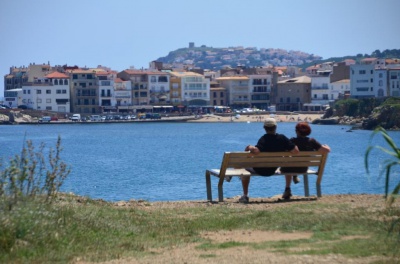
(30, 176)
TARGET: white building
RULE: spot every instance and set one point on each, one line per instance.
(394, 81)
(158, 83)
(13, 97)
(338, 89)
(49, 93)
(195, 88)
(380, 83)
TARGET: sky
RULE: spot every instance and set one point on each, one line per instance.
(124, 33)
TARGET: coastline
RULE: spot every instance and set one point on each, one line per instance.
(21, 118)
(292, 117)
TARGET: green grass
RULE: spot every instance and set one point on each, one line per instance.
(96, 231)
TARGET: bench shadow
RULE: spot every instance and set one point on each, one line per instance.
(271, 200)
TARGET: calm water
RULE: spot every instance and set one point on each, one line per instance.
(167, 161)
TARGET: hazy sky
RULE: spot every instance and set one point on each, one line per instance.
(124, 33)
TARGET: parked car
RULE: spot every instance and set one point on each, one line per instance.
(45, 119)
(54, 118)
(22, 107)
(76, 117)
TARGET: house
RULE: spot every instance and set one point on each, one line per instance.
(291, 94)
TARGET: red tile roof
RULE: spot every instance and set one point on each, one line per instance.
(57, 75)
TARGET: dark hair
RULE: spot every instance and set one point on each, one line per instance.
(303, 128)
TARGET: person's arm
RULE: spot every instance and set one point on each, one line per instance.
(252, 149)
(324, 149)
(295, 150)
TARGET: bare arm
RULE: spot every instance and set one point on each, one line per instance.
(324, 149)
(295, 150)
(252, 149)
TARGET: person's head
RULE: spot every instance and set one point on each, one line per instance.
(270, 125)
(303, 129)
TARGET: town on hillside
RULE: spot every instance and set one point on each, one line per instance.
(168, 88)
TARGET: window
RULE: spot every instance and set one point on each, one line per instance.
(39, 101)
(48, 91)
(58, 91)
(362, 72)
(55, 82)
(24, 91)
(64, 91)
(48, 107)
(75, 76)
(66, 82)
(48, 100)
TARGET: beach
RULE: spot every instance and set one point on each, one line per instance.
(291, 117)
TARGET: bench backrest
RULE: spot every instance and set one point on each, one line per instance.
(274, 159)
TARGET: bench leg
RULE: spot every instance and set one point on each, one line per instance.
(220, 193)
(319, 193)
(208, 185)
(306, 189)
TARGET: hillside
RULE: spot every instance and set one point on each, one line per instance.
(217, 58)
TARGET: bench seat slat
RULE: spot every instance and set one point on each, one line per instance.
(244, 172)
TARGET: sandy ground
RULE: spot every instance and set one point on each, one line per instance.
(188, 253)
(258, 118)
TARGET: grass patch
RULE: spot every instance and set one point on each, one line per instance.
(89, 230)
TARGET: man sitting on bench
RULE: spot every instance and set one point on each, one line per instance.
(269, 142)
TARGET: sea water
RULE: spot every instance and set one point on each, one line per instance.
(167, 161)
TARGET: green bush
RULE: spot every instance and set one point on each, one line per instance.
(29, 176)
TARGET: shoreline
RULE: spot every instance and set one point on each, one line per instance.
(208, 118)
(259, 118)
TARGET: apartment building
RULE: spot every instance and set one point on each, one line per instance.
(394, 81)
(84, 92)
(190, 89)
(159, 86)
(293, 93)
(122, 95)
(139, 85)
(106, 91)
(20, 75)
(218, 96)
(50, 92)
(237, 90)
(260, 87)
(15, 78)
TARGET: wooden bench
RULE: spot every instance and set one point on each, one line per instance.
(234, 164)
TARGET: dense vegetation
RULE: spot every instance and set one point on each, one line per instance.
(199, 56)
(375, 111)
